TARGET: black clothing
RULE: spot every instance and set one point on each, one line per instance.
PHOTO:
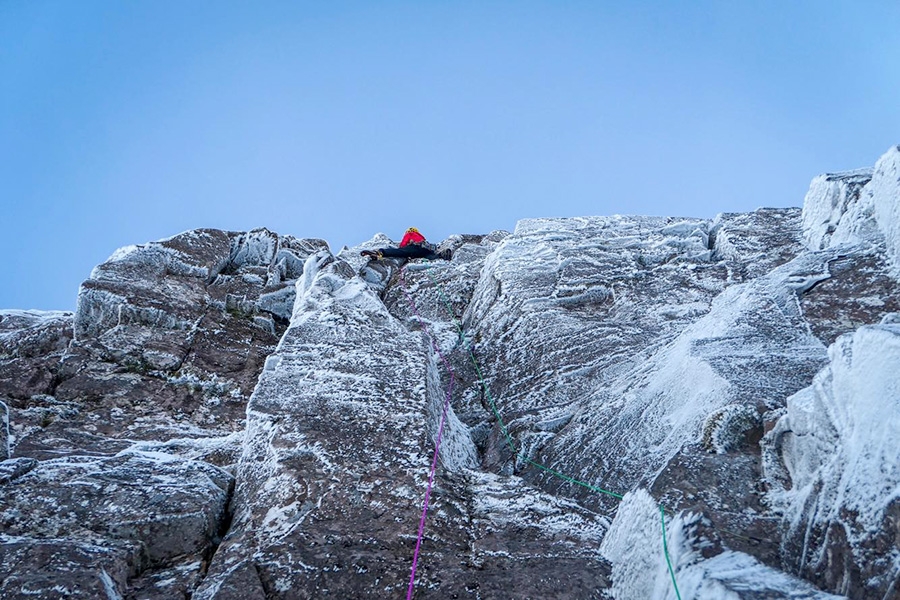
(410, 251)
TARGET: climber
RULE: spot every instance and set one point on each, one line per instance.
(413, 245)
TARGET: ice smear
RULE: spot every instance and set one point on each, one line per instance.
(838, 445)
(856, 207)
(655, 409)
(634, 546)
(457, 450)
(509, 503)
(109, 586)
(829, 198)
(885, 191)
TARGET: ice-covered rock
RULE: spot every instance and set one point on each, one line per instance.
(885, 192)
(689, 562)
(856, 207)
(623, 325)
(752, 244)
(833, 201)
(834, 467)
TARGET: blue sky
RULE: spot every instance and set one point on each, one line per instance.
(125, 122)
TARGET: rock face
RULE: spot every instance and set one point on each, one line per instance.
(833, 463)
(328, 498)
(124, 419)
(624, 405)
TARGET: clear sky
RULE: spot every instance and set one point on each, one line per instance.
(125, 122)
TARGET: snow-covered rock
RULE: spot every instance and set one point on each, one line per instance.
(623, 325)
(165, 347)
(832, 202)
(834, 466)
(856, 207)
(689, 562)
(885, 190)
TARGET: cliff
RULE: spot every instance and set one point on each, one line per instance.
(248, 415)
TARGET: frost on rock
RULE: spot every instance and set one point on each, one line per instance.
(245, 415)
(188, 320)
(165, 348)
(885, 193)
(31, 345)
(336, 449)
(833, 201)
(80, 517)
(701, 567)
(752, 244)
(341, 430)
(667, 346)
(856, 207)
(834, 467)
(351, 255)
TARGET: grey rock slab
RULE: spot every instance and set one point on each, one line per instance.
(668, 333)
(166, 505)
(62, 568)
(330, 485)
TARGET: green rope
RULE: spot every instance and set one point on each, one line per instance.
(662, 516)
(593, 488)
(493, 405)
(462, 336)
(509, 440)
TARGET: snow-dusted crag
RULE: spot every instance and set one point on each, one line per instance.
(124, 419)
(247, 415)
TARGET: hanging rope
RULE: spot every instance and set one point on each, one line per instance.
(437, 445)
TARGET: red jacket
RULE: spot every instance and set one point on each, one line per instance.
(412, 237)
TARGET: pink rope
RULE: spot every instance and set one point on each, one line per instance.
(437, 442)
